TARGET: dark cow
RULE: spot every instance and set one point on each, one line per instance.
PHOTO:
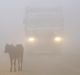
(15, 54)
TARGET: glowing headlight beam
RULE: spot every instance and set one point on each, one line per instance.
(31, 39)
(58, 39)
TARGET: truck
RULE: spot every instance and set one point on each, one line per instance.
(44, 31)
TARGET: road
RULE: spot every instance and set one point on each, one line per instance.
(47, 65)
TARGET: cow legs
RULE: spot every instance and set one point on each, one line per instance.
(14, 65)
(11, 65)
(21, 64)
(18, 64)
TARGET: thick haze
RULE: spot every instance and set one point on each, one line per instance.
(72, 25)
(12, 14)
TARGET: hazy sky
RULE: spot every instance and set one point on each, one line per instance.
(72, 23)
(12, 14)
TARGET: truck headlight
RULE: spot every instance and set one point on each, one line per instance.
(31, 39)
(58, 39)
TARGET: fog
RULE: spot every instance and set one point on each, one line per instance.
(12, 30)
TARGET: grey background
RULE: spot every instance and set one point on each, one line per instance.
(12, 14)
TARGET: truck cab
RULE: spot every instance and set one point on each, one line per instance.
(44, 30)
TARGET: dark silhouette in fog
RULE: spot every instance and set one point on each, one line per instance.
(15, 54)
